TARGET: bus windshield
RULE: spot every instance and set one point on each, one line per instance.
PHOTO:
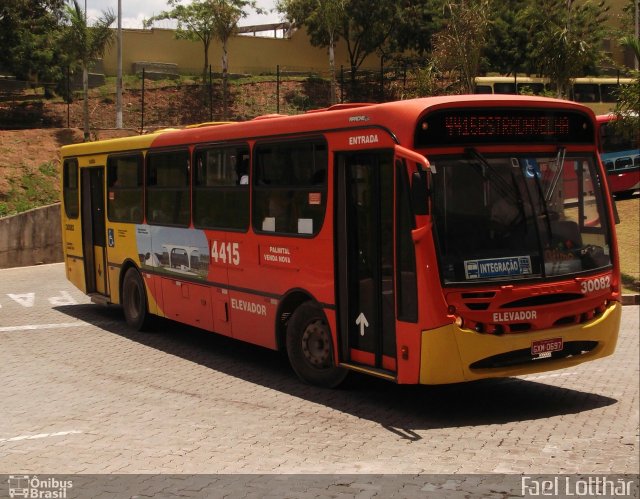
(507, 217)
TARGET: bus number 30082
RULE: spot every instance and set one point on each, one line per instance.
(597, 284)
(225, 252)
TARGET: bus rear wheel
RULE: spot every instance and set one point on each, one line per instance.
(310, 348)
(134, 300)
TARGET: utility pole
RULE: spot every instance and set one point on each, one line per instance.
(637, 23)
(85, 83)
(119, 76)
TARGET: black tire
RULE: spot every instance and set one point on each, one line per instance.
(310, 348)
(134, 300)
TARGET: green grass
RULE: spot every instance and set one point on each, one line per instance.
(32, 190)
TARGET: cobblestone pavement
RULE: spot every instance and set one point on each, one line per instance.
(82, 394)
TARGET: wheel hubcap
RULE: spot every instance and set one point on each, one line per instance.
(316, 345)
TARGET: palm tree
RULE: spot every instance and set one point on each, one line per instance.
(85, 43)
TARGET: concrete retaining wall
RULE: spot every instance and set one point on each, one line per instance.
(31, 237)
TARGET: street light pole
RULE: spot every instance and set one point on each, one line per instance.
(119, 76)
(85, 83)
(637, 30)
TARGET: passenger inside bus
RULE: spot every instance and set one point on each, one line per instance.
(242, 170)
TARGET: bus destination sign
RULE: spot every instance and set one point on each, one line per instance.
(503, 126)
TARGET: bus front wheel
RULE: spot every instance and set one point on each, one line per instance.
(134, 300)
(310, 348)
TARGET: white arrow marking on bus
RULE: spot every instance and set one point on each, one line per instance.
(362, 322)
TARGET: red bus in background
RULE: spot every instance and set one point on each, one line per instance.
(422, 241)
(620, 155)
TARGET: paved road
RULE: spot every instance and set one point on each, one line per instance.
(82, 394)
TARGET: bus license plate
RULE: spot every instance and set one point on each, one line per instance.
(546, 346)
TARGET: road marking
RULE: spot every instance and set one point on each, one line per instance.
(24, 299)
(64, 298)
(544, 376)
(32, 327)
(40, 435)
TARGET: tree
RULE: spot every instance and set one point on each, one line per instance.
(458, 47)
(84, 43)
(323, 19)
(227, 13)
(630, 28)
(506, 49)
(413, 29)
(204, 20)
(628, 103)
(565, 39)
(365, 26)
(195, 23)
(29, 31)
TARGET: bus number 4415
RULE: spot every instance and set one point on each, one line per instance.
(225, 252)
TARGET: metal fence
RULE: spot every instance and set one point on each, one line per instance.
(151, 100)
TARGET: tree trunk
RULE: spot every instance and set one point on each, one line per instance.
(205, 69)
(225, 85)
(332, 66)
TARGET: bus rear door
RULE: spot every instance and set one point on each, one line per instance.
(93, 229)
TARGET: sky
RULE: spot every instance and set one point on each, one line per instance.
(135, 11)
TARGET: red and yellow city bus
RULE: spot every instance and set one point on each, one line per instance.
(331, 235)
(620, 155)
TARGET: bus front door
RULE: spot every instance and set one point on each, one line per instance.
(93, 229)
(365, 260)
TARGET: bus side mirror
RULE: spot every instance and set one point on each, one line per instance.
(419, 193)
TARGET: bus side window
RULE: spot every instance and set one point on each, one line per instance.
(586, 92)
(70, 189)
(504, 88)
(124, 188)
(221, 188)
(290, 187)
(609, 92)
(168, 188)
(483, 89)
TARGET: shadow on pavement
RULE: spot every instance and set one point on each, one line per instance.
(401, 409)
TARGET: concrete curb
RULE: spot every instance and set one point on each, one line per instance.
(631, 299)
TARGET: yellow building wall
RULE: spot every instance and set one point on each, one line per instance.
(259, 54)
(247, 54)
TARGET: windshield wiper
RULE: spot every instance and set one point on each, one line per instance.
(506, 189)
(562, 151)
(545, 208)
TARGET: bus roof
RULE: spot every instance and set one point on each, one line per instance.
(606, 80)
(392, 116)
(605, 118)
(112, 145)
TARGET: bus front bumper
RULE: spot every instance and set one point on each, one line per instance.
(450, 354)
